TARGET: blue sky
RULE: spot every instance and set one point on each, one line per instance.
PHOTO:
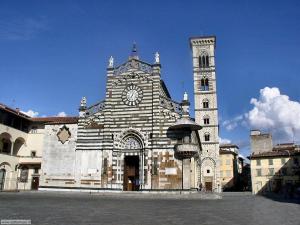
(54, 52)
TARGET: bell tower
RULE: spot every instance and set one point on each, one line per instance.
(206, 110)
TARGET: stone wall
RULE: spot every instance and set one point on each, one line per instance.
(58, 163)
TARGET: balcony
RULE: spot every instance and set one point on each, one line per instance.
(186, 150)
(30, 160)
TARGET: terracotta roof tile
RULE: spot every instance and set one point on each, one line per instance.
(47, 120)
(13, 111)
(228, 146)
(227, 152)
(275, 154)
(55, 120)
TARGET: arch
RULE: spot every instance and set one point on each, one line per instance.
(206, 119)
(132, 135)
(206, 136)
(6, 166)
(209, 158)
(208, 173)
(6, 136)
(19, 143)
(131, 141)
(204, 60)
(205, 103)
(204, 84)
(5, 143)
(200, 62)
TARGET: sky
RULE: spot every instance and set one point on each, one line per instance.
(54, 52)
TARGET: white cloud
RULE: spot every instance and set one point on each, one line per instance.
(62, 114)
(275, 112)
(233, 123)
(224, 140)
(31, 113)
(272, 112)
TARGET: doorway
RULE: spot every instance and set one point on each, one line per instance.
(208, 186)
(2, 179)
(35, 183)
(131, 173)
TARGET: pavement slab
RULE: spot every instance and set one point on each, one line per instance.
(62, 208)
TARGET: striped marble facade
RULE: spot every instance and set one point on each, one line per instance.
(131, 125)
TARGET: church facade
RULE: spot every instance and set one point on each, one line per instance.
(138, 138)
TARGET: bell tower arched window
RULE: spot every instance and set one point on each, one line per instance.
(204, 61)
(206, 137)
(205, 104)
(206, 120)
(204, 86)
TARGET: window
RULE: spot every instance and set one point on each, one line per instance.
(207, 171)
(258, 162)
(271, 171)
(201, 63)
(283, 161)
(33, 154)
(206, 120)
(24, 175)
(206, 137)
(270, 161)
(205, 104)
(151, 135)
(204, 61)
(204, 85)
(36, 170)
(258, 172)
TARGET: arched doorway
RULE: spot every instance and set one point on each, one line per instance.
(208, 169)
(2, 178)
(132, 148)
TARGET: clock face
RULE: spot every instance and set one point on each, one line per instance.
(132, 95)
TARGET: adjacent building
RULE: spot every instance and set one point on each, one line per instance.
(21, 148)
(229, 166)
(274, 169)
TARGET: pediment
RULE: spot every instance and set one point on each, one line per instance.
(133, 65)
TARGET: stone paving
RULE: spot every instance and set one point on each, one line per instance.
(64, 208)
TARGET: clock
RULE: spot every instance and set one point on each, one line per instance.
(132, 95)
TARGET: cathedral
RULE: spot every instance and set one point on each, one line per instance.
(138, 138)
